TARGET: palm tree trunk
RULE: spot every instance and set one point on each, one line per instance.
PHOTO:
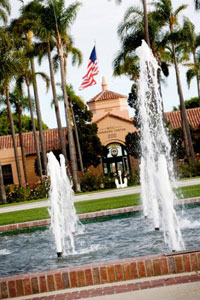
(72, 149)
(57, 111)
(34, 130)
(74, 122)
(13, 137)
(146, 26)
(77, 140)
(197, 77)
(39, 117)
(2, 188)
(197, 4)
(19, 111)
(184, 120)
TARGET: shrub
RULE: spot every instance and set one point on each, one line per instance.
(27, 192)
(109, 182)
(134, 179)
(89, 182)
(188, 169)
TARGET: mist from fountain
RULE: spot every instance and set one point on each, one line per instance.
(64, 220)
(156, 167)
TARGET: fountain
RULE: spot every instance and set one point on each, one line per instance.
(156, 168)
(64, 221)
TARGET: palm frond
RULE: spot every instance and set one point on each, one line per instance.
(179, 9)
(45, 77)
(69, 16)
(3, 16)
(77, 57)
(55, 62)
(190, 74)
(6, 5)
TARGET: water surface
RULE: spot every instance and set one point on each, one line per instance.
(100, 241)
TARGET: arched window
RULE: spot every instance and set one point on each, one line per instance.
(116, 158)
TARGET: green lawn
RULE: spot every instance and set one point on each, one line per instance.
(89, 206)
(188, 191)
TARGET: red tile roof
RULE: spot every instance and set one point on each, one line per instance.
(51, 138)
(106, 95)
(193, 115)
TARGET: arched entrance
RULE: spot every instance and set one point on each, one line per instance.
(116, 158)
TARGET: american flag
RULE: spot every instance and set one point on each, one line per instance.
(92, 70)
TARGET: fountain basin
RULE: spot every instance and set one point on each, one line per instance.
(106, 269)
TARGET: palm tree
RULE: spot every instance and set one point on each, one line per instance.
(73, 98)
(165, 14)
(193, 72)
(24, 33)
(19, 102)
(192, 42)
(10, 65)
(146, 27)
(36, 13)
(26, 77)
(59, 19)
(4, 10)
(29, 36)
(131, 33)
(145, 16)
(63, 20)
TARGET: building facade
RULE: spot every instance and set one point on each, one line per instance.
(110, 113)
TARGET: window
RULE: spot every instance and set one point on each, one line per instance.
(7, 174)
(114, 150)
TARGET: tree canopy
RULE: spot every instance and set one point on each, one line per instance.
(26, 122)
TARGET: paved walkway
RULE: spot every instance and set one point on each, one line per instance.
(185, 286)
(93, 196)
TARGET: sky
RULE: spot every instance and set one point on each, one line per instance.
(97, 23)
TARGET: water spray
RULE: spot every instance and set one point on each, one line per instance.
(64, 220)
(156, 167)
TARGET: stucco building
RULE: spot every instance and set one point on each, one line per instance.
(110, 113)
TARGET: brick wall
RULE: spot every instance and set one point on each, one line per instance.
(88, 275)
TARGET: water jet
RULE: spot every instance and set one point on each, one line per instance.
(156, 166)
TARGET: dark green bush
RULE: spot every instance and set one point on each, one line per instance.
(89, 182)
(134, 179)
(109, 182)
(188, 169)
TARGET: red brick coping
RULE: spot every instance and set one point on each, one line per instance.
(87, 216)
(101, 273)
